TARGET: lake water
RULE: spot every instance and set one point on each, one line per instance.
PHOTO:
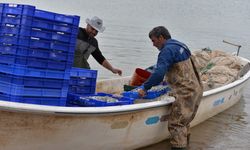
(198, 23)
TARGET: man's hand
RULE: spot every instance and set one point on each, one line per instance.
(108, 66)
(117, 71)
(141, 91)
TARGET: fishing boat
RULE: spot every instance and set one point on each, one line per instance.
(126, 127)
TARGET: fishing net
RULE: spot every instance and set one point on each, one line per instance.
(217, 67)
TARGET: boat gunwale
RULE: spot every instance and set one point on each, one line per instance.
(15, 106)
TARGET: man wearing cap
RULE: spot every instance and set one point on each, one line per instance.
(87, 45)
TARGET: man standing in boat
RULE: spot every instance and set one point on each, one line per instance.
(87, 45)
(176, 63)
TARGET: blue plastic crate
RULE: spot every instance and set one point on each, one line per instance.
(52, 26)
(15, 40)
(61, 18)
(21, 70)
(151, 94)
(51, 54)
(82, 81)
(35, 62)
(42, 24)
(43, 44)
(20, 90)
(28, 10)
(15, 30)
(82, 89)
(41, 34)
(81, 72)
(93, 101)
(16, 20)
(17, 9)
(48, 64)
(69, 19)
(37, 53)
(53, 36)
(8, 49)
(33, 81)
(10, 59)
(13, 50)
(63, 47)
(52, 101)
(37, 43)
(67, 29)
(15, 14)
(64, 37)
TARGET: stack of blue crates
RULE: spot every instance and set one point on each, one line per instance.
(82, 81)
(37, 51)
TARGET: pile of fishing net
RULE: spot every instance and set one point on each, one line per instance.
(217, 67)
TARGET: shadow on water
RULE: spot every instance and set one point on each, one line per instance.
(227, 130)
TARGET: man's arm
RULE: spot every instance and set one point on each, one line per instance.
(108, 66)
(164, 62)
(97, 54)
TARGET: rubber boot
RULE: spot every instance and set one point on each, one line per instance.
(183, 148)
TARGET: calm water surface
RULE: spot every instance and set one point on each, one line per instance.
(198, 23)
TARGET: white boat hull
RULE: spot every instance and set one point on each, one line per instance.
(34, 127)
